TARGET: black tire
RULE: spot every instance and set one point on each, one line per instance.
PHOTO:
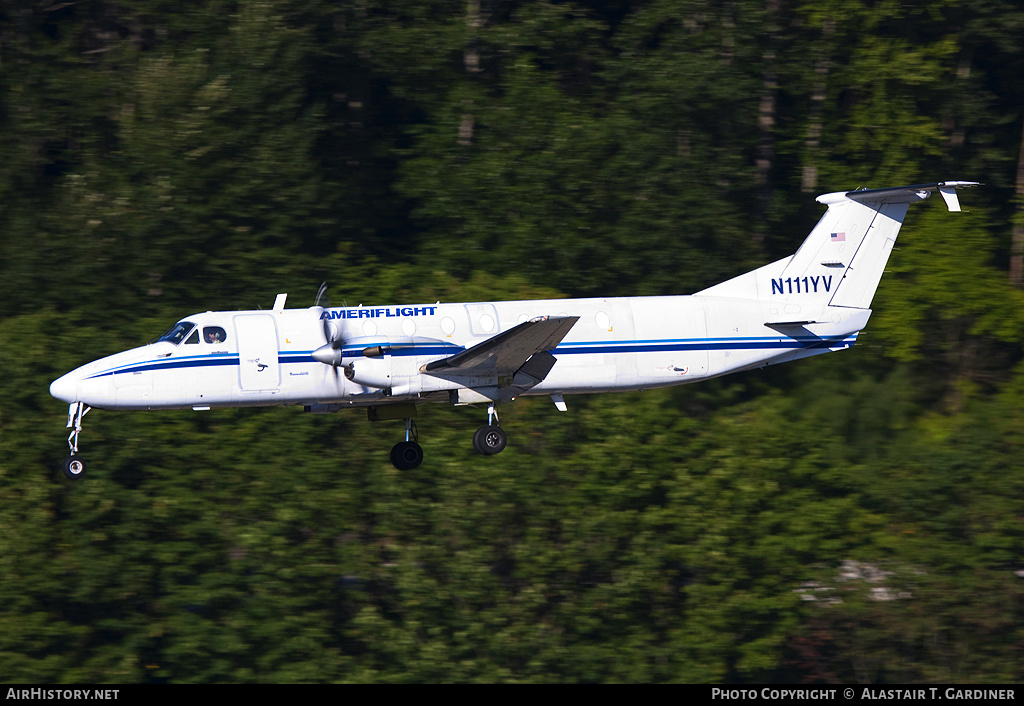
(73, 467)
(406, 455)
(490, 440)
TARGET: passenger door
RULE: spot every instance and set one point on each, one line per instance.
(258, 368)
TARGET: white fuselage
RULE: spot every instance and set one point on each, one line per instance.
(265, 357)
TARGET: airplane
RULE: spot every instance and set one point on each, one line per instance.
(392, 358)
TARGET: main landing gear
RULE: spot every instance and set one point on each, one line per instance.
(407, 455)
(73, 467)
(490, 439)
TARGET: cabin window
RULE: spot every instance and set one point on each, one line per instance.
(194, 338)
(176, 334)
(214, 334)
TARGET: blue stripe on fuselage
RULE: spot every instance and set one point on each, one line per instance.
(192, 361)
(575, 348)
(698, 344)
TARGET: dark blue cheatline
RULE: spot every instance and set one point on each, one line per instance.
(577, 348)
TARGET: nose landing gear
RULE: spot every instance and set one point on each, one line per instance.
(73, 467)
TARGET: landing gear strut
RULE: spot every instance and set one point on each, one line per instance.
(407, 455)
(73, 467)
(490, 438)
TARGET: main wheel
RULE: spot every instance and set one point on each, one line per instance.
(406, 455)
(489, 439)
(73, 467)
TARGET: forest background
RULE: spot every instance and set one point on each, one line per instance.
(855, 517)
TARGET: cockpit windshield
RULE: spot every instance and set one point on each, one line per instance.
(177, 332)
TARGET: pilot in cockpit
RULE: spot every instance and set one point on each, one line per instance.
(214, 334)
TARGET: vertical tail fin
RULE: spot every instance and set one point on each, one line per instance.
(842, 260)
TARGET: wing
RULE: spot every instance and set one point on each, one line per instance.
(523, 349)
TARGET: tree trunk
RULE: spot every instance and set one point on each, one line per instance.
(1017, 237)
(809, 182)
(471, 56)
(767, 107)
(471, 60)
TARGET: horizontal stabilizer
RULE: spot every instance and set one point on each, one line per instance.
(504, 354)
(903, 194)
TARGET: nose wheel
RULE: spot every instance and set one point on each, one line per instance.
(490, 439)
(73, 466)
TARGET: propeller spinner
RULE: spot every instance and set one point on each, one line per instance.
(330, 352)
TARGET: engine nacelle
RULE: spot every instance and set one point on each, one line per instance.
(383, 363)
(397, 375)
(370, 372)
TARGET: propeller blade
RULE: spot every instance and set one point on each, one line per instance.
(332, 333)
(322, 298)
(330, 353)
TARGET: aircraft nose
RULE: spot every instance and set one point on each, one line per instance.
(65, 388)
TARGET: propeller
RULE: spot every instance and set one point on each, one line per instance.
(330, 352)
(322, 298)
